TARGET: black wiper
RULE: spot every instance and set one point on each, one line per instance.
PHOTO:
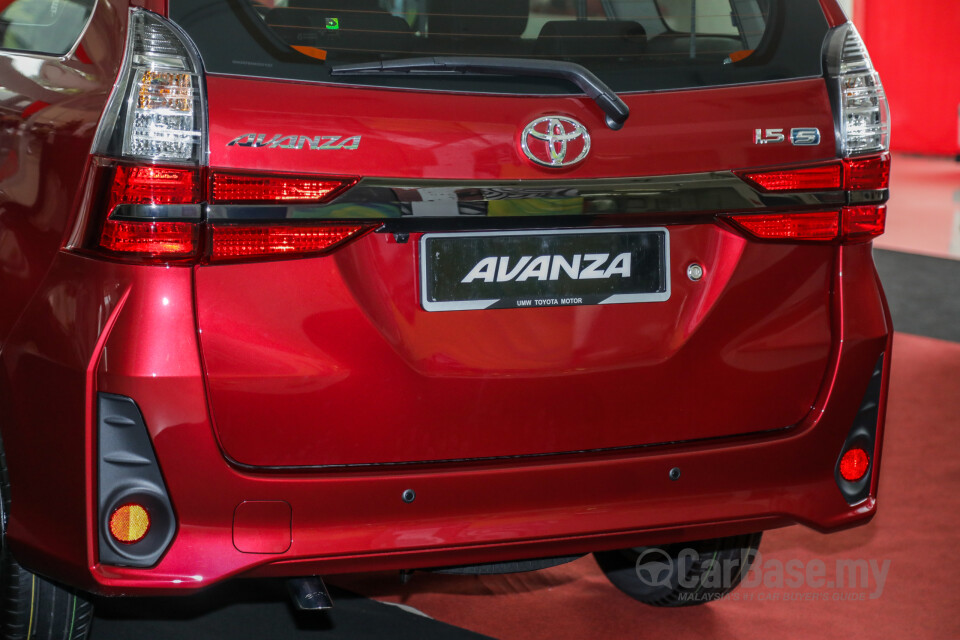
(611, 104)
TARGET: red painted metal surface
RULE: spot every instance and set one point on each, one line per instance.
(346, 368)
(411, 134)
(331, 360)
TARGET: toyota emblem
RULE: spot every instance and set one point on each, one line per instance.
(555, 141)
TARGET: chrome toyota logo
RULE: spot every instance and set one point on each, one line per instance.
(555, 141)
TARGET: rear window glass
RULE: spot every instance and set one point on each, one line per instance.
(632, 45)
(43, 26)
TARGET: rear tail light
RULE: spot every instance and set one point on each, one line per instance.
(149, 177)
(791, 226)
(826, 177)
(860, 103)
(245, 188)
(863, 222)
(150, 238)
(157, 110)
(251, 241)
(867, 173)
(850, 224)
(156, 214)
(154, 185)
(852, 174)
(863, 139)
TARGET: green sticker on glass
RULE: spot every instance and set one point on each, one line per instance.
(333, 23)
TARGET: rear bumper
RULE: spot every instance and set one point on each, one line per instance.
(122, 342)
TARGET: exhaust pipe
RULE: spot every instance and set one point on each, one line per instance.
(309, 594)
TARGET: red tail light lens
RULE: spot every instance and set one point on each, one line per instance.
(154, 185)
(864, 222)
(854, 465)
(150, 238)
(867, 173)
(853, 174)
(229, 187)
(155, 213)
(791, 226)
(820, 178)
(251, 241)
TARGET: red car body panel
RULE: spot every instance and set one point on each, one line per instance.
(342, 366)
(317, 361)
(406, 135)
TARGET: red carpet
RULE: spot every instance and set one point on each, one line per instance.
(914, 535)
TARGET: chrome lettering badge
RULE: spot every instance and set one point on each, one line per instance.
(293, 141)
(590, 266)
(799, 136)
(555, 141)
(805, 137)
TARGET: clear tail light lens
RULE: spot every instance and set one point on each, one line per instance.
(157, 110)
(863, 111)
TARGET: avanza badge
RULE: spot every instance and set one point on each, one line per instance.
(293, 141)
(498, 269)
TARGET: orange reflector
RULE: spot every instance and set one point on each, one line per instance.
(854, 464)
(129, 523)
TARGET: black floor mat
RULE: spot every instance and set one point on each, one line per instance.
(923, 293)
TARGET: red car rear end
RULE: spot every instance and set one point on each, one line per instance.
(328, 287)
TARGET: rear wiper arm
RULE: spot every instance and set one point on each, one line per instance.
(608, 101)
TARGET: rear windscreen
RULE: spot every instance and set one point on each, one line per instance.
(632, 45)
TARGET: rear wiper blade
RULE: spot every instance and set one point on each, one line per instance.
(608, 101)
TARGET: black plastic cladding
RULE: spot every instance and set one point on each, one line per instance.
(127, 472)
(863, 434)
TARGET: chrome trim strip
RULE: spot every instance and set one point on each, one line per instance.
(390, 198)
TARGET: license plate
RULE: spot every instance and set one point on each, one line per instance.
(525, 269)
